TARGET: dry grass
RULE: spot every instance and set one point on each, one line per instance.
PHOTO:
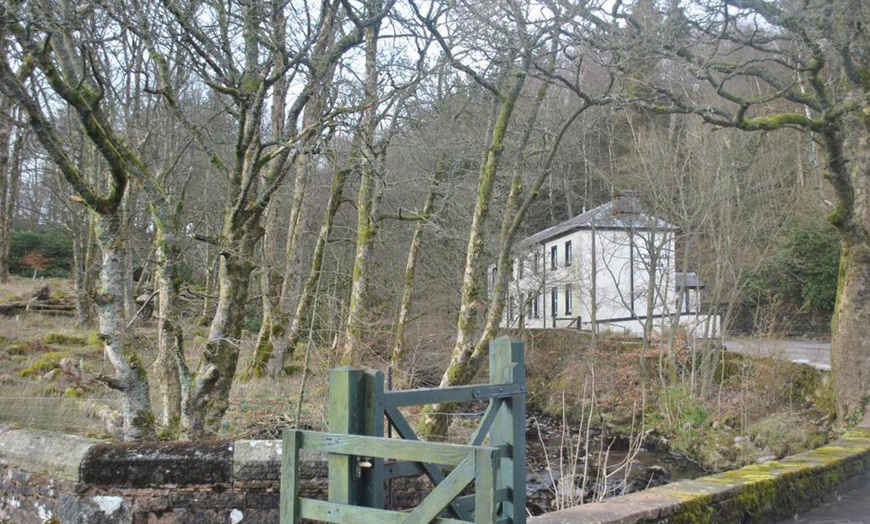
(32, 344)
(48, 397)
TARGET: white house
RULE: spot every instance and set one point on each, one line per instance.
(610, 268)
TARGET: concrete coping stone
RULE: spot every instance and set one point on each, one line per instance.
(804, 479)
(261, 460)
(53, 454)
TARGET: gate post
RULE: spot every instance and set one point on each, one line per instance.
(356, 408)
(346, 403)
(507, 366)
(373, 425)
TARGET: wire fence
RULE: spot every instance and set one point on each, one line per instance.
(90, 416)
(99, 417)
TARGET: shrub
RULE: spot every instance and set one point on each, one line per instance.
(801, 279)
(51, 247)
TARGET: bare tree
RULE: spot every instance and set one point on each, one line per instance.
(766, 65)
(242, 74)
(44, 42)
(368, 155)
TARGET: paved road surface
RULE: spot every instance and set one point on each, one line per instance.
(816, 354)
(852, 508)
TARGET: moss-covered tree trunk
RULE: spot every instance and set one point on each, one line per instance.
(309, 288)
(170, 350)
(463, 366)
(10, 160)
(460, 369)
(206, 394)
(272, 339)
(130, 377)
(272, 322)
(270, 327)
(405, 302)
(850, 330)
(318, 98)
(291, 278)
(82, 240)
(367, 201)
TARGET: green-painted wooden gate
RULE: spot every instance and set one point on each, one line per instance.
(357, 449)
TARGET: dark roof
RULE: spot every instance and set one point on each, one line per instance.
(688, 281)
(617, 214)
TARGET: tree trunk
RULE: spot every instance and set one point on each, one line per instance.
(273, 322)
(170, 350)
(270, 327)
(130, 377)
(434, 422)
(463, 367)
(130, 308)
(82, 260)
(10, 175)
(398, 351)
(312, 122)
(367, 204)
(309, 288)
(272, 340)
(850, 331)
(205, 394)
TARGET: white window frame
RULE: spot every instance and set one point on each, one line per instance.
(554, 301)
(569, 300)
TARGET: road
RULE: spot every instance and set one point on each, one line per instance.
(816, 354)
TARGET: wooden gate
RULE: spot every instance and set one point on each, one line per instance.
(357, 449)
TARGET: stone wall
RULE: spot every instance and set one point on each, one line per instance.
(52, 478)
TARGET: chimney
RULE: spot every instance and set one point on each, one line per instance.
(626, 204)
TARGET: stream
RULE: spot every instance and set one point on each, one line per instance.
(555, 479)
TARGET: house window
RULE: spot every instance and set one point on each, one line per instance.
(554, 301)
(569, 299)
(521, 263)
(493, 277)
(568, 253)
(536, 262)
(536, 306)
(511, 308)
(553, 257)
